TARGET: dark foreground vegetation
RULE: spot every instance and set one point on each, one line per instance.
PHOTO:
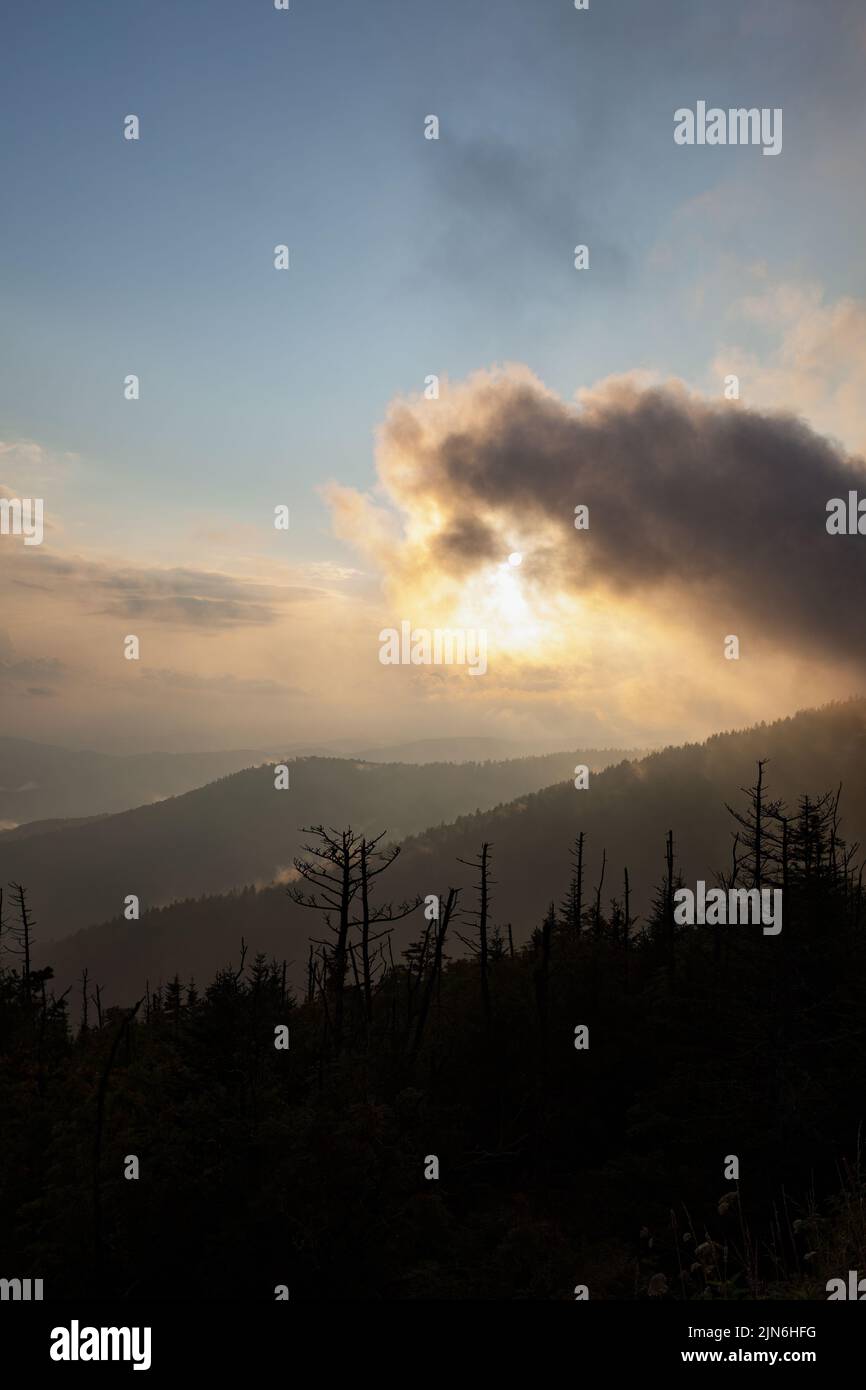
(559, 1165)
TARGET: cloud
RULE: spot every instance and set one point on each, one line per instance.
(696, 507)
(816, 355)
(219, 684)
(17, 672)
(190, 598)
(32, 466)
(189, 610)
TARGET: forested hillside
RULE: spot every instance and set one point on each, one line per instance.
(624, 816)
(39, 780)
(521, 1123)
(242, 830)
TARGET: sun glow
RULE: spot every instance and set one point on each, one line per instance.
(519, 620)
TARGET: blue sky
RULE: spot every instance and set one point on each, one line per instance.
(408, 256)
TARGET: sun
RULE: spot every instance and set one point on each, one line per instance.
(500, 600)
(506, 596)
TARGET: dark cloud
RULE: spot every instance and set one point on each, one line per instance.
(466, 541)
(715, 505)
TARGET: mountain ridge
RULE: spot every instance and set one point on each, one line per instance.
(684, 788)
(240, 830)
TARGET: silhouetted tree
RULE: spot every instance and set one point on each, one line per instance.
(479, 920)
(572, 907)
(337, 867)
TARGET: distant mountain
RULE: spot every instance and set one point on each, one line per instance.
(626, 811)
(629, 808)
(478, 750)
(440, 750)
(240, 830)
(31, 828)
(38, 780)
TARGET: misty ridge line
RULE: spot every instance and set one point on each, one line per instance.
(440, 838)
(234, 840)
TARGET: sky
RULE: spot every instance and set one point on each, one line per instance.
(411, 257)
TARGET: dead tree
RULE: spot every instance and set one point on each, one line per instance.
(479, 920)
(365, 932)
(22, 936)
(337, 867)
(371, 863)
(670, 924)
(596, 920)
(84, 1028)
(434, 974)
(416, 957)
(543, 940)
(311, 977)
(331, 870)
(662, 926)
(626, 921)
(726, 882)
